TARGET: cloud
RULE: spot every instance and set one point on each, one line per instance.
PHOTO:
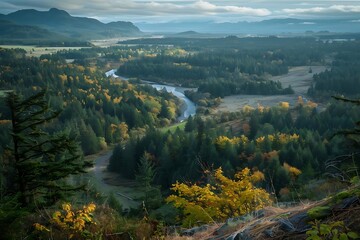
(324, 10)
(207, 7)
(186, 10)
(307, 23)
(150, 8)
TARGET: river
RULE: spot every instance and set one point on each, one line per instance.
(123, 193)
(190, 108)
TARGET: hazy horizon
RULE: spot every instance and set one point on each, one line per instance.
(162, 11)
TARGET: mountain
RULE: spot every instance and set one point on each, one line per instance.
(11, 32)
(63, 23)
(272, 26)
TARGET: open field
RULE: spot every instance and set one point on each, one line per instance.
(173, 128)
(298, 77)
(109, 42)
(34, 51)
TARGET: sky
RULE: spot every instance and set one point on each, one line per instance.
(154, 11)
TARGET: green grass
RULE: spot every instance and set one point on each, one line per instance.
(34, 51)
(173, 128)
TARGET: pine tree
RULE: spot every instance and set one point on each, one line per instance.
(146, 172)
(346, 167)
(42, 161)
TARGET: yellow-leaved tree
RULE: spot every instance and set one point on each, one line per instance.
(221, 199)
(69, 223)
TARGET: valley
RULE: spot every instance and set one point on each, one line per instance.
(109, 132)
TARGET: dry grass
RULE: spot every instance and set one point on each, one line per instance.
(298, 77)
(256, 227)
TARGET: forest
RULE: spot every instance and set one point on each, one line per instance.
(95, 110)
(59, 112)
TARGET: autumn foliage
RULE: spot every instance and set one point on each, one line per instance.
(73, 223)
(220, 199)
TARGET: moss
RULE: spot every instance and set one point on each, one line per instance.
(346, 194)
(319, 212)
(341, 195)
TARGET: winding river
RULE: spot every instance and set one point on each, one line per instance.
(99, 172)
(190, 108)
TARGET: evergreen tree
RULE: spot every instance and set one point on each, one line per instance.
(164, 111)
(190, 124)
(89, 141)
(41, 160)
(146, 172)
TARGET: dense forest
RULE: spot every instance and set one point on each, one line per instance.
(270, 140)
(95, 109)
(58, 109)
(232, 65)
(343, 78)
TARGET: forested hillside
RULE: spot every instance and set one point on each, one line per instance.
(95, 109)
(69, 27)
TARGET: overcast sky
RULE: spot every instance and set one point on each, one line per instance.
(192, 10)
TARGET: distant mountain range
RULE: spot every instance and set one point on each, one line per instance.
(59, 24)
(56, 25)
(273, 26)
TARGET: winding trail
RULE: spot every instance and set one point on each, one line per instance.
(99, 177)
(100, 165)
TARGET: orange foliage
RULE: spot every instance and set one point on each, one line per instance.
(270, 155)
(285, 105)
(4, 121)
(246, 128)
(293, 171)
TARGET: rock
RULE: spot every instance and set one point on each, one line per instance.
(347, 202)
(297, 223)
(286, 225)
(300, 222)
(269, 233)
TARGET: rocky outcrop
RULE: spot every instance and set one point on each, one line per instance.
(284, 223)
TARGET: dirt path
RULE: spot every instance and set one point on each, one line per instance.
(298, 77)
(104, 182)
